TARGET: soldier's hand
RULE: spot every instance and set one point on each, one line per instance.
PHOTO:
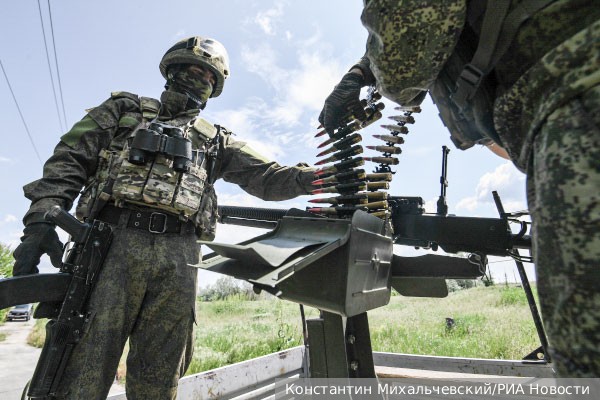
(38, 238)
(343, 101)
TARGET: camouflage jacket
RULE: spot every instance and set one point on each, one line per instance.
(106, 128)
(553, 58)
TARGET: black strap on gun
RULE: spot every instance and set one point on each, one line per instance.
(84, 261)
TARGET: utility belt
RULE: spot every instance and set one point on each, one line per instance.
(153, 221)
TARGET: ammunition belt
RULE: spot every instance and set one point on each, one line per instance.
(153, 221)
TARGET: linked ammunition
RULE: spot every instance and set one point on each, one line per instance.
(344, 199)
(343, 187)
(345, 142)
(347, 209)
(351, 124)
(390, 138)
(381, 176)
(375, 96)
(362, 197)
(341, 166)
(380, 213)
(378, 185)
(415, 109)
(383, 160)
(340, 133)
(371, 119)
(342, 154)
(395, 128)
(343, 176)
(407, 119)
(386, 149)
(376, 204)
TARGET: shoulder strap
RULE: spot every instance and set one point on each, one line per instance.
(498, 29)
(150, 107)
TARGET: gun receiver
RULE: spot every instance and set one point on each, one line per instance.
(91, 243)
(489, 236)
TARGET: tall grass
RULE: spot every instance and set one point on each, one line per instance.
(482, 322)
(487, 322)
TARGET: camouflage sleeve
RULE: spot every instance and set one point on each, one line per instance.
(74, 160)
(409, 43)
(261, 177)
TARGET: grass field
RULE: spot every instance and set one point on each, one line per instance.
(489, 322)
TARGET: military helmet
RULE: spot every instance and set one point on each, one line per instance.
(202, 51)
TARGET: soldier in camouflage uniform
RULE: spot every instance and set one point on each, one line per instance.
(159, 200)
(544, 110)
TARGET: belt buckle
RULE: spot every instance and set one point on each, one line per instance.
(151, 223)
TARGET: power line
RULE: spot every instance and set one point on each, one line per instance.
(56, 62)
(21, 114)
(62, 128)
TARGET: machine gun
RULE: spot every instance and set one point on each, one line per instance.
(346, 266)
(64, 297)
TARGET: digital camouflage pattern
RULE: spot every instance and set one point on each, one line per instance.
(546, 113)
(146, 289)
(409, 43)
(564, 200)
(146, 292)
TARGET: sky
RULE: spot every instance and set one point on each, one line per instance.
(286, 56)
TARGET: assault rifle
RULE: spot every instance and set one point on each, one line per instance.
(90, 243)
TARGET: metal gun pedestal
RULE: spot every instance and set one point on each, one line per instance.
(340, 347)
(341, 267)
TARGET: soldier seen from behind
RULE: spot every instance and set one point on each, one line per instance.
(521, 77)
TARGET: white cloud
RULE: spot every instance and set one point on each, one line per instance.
(12, 239)
(431, 205)
(8, 218)
(299, 89)
(180, 34)
(5, 159)
(269, 125)
(267, 19)
(506, 180)
(468, 203)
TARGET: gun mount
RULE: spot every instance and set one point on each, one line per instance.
(346, 267)
(343, 267)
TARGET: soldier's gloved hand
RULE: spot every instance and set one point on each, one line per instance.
(37, 239)
(343, 101)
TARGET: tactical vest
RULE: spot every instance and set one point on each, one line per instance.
(170, 172)
(465, 89)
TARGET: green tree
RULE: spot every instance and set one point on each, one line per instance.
(6, 261)
(6, 265)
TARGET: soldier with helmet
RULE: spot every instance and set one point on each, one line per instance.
(147, 167)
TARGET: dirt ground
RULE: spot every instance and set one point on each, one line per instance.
(18, 360)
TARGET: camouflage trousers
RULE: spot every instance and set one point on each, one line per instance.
(563, 191)
(145, 293)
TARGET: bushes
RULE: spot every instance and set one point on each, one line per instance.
(6, 264)
(227, 287)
